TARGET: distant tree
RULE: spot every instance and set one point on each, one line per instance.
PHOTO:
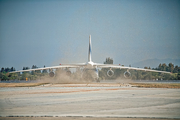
(1, 75)
(25, 68)
(33, 72)
(139, 75)
(170, 67)
(13, 76)
(175, 69)
(108, 61)
(36, 71)
(5, 77)
(145, 67)
(178, 76)
(147, 76)
(164, 67)
(7, 70)
(25, 75)
(12, 69)
(159, 67)
(44, 71)
(2, 69)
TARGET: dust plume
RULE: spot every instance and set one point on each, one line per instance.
(62, 77)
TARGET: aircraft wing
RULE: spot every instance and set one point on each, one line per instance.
(124, 67)
(54, 67)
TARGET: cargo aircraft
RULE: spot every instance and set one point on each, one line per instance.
(90, 66)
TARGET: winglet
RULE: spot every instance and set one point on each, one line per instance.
(89, 55)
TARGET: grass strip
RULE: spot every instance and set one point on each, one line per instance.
(21, 84)
(156, 85)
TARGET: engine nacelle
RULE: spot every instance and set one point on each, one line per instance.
(110, 73)
(51, 74)
(127, 74)
(68, 72)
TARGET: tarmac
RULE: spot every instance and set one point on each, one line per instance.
(89, 101)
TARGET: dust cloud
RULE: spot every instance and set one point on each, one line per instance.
(78, 77)
(61, 77)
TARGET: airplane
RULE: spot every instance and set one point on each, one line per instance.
(91, 66)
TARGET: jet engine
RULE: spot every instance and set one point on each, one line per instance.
(110, 73)
(68, 72)
(51, 74)
(127, 74)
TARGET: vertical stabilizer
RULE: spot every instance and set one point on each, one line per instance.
(89, 55)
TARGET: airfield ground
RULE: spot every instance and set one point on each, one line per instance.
(144, 85)
(102, 101)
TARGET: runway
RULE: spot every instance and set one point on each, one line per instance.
(87, 101)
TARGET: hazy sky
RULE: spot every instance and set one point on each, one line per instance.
(49, 32)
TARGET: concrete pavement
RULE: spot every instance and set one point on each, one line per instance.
(98, 102)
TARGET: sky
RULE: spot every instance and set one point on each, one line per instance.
(50, 32)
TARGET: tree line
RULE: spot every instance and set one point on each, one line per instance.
(135, 74)
(28, 75)
(170, 68)
(143, 75)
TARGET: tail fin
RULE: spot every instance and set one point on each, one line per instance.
(89, 55)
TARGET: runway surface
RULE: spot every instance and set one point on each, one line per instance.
(101, 101)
